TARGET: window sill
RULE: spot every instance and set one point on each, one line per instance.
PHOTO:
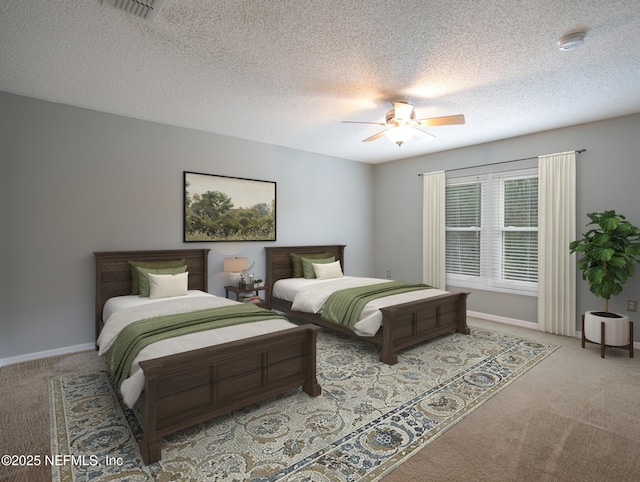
(497, 289)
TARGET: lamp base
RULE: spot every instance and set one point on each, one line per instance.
(234, 279)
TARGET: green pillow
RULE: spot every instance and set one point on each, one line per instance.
(296, 260)
(150, 264)
(307, 265)
(143, 279)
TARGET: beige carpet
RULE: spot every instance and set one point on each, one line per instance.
(573, 417)
(24, 410)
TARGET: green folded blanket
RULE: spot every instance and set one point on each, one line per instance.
(137, 335)
(344, 306)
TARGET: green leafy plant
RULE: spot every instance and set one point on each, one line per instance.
(610, 251)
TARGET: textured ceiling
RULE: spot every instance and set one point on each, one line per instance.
(288, 72)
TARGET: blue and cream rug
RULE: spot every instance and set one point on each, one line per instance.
(369, 418)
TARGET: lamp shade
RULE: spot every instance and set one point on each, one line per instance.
(235, 265)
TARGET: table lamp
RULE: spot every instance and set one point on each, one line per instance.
(235, 266)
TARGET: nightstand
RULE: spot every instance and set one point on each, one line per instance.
(263, 303)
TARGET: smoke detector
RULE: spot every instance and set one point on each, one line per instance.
(145, 9)
(571, 41)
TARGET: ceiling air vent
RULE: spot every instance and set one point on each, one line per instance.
(145, 9)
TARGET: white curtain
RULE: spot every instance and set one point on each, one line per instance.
(433, 230)
(556, 229)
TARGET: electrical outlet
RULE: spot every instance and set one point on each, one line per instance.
(389, 274)
(632, 305)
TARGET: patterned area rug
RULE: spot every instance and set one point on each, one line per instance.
(369, 418)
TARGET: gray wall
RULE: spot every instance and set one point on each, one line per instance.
(607, 178)
(76, 181)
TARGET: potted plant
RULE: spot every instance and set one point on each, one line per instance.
(609, 253)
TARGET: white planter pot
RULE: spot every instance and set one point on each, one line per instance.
(616, 331)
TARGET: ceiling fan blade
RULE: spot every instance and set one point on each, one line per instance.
(358, 122)
(402, 110)
(374, 137)
(446, 120)
(424, 133)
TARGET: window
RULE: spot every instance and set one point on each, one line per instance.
(492, 231)
(463, 221)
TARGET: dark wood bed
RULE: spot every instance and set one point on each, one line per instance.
(187, 388)
(403, 325)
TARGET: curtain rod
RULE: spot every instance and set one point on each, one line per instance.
(501, 162)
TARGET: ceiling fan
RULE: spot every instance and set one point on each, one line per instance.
(401, 123)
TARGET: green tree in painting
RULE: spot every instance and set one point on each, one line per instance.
(262, 209)
(212, 204)
(213, 215)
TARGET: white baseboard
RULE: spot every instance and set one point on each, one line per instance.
(46, 354)
(503, 319)
(524, 324)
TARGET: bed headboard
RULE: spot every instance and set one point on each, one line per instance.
(113, 273)
(279, 263)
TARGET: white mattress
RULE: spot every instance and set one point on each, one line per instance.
(124, 310)
(309, 296)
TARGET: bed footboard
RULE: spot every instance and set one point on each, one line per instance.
(188, 388)
(411, 323)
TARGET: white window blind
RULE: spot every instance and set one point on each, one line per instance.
(463, 221)
(492, 231)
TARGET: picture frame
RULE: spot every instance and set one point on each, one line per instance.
(223, 208)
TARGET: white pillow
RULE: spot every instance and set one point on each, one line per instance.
(168, 285)
(327, 270)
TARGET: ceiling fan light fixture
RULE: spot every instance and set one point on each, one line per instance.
(401, 124)
(399, 134)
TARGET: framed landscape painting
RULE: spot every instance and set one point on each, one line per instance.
(221, 208)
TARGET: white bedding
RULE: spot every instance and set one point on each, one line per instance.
(309, 296)
(121, 302)
(125, 310)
